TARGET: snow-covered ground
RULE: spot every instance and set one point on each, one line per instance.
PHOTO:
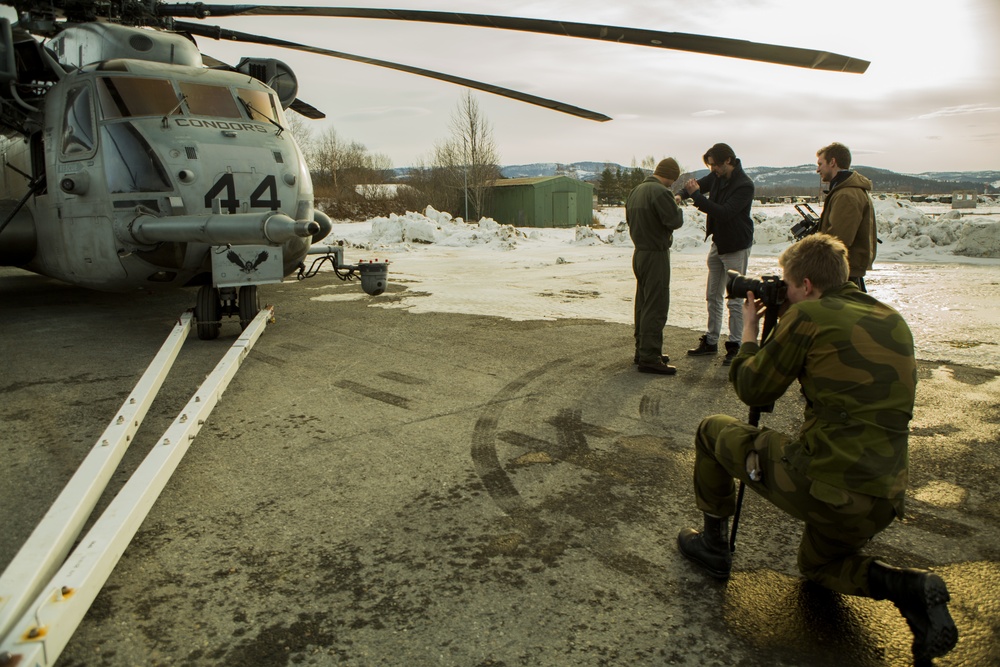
(937, 266)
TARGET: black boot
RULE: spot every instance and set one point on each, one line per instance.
(922, 599)
(709, 548)
(732, 349)
(704, 347)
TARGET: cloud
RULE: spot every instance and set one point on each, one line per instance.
(707, 112)
(960, 110)
(385, 113)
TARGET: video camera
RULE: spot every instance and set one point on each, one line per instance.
(809, 223)
(769, 289)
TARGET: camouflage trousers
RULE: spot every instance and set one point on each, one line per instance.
(838, 523)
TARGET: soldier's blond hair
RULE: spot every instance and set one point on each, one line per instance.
(819, 257)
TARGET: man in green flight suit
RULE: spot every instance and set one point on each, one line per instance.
(652, 215)
(845, 473)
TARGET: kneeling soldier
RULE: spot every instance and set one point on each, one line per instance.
(845, 473)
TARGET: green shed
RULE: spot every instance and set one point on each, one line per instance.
(547, 201)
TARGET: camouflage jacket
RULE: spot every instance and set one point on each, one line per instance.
(853, 358)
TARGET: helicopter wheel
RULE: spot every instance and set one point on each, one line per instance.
(208, 313)
(249, 304)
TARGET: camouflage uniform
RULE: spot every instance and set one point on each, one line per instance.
(845, 474)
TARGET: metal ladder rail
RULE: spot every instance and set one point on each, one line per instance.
(43, 631)
(51, 540)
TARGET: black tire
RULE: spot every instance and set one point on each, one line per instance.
(208, 313)
(249, 305)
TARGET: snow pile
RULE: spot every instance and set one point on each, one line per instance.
(587, 236)
(979, 239)
(906, 231)
(903, 228)
(775, 229)
(439, 228)
(620, 235)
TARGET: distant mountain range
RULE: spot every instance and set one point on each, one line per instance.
(801, 177)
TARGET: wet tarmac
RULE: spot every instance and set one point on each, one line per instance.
(378, 487)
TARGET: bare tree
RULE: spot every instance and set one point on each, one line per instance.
(322, 156)
(432, 184)
(469, 159)
(299, 128)
(346, 175)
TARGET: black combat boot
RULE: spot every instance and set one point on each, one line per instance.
(922, 599)
(704, 348)
(664, 358)
(709, 548)
(732, 349)
(657, 367)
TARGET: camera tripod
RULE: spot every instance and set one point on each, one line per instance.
(770, 320)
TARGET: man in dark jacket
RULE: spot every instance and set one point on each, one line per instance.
(727, 205)
(848, 213)
(652, 215)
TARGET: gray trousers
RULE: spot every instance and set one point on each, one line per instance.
(715, 294)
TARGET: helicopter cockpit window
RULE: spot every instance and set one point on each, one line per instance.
(122, 97)
(260, 105)
(130, 165)
(213, 101)
(78, 138)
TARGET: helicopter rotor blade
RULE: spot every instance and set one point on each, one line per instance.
(216, 32)
(305, 109)
(678, 41)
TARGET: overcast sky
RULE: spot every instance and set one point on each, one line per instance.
(930, 100)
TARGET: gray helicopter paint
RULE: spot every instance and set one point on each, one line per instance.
(90, 43)
(197, 155)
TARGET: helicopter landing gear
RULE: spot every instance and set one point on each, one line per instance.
(214, 303)
(249, 304)
(208, 312)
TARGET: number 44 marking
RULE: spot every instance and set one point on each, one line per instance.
(265, 196)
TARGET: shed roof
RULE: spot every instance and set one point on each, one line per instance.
(507, 182)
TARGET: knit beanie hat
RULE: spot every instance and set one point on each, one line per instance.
(668, 169)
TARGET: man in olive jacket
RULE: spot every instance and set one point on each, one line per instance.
(727, 205)
(848, 212)
(652, 215)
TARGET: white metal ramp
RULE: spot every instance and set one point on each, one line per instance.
(44, 594)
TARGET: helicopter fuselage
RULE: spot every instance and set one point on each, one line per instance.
(142, 167)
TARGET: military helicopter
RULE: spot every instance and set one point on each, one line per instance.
(133, 161)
